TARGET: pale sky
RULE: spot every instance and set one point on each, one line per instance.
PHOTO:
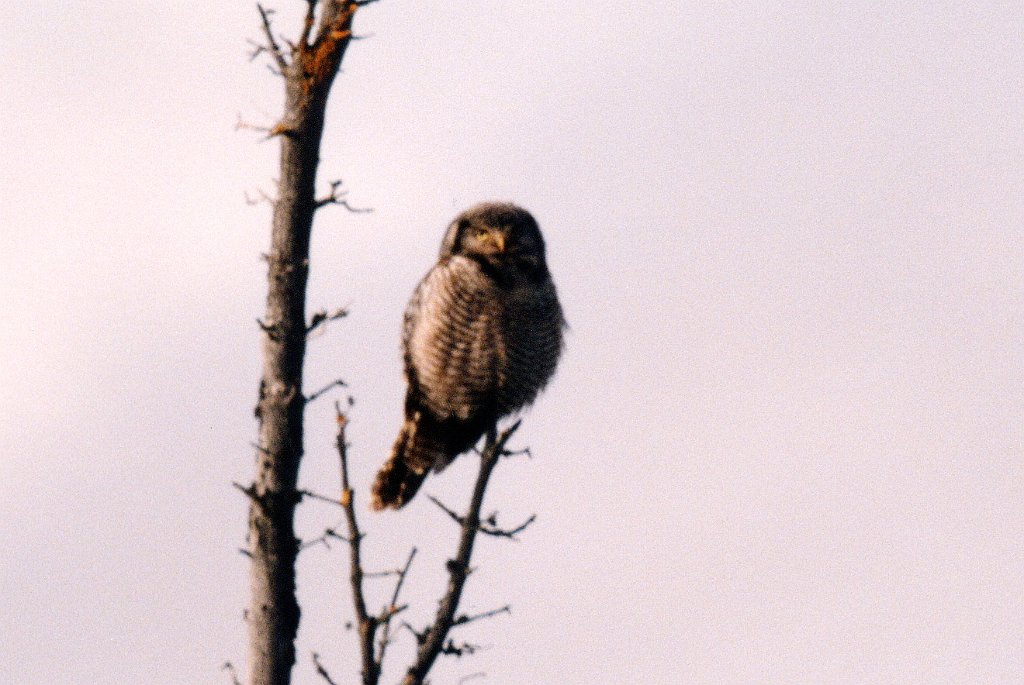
(785, 443)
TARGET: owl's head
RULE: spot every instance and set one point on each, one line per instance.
(500, 234)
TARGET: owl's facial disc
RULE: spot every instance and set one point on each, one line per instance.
(486, 241)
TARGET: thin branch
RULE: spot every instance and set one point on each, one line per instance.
(401, 577)
(321, 671)
(464, 619)
(454, 517)
(278, 129)
(367, 624)
(272, 47)
(433, 639)
(258, 447)
(321, 317)
(263, 197)
(344, 538)
(273, 330)
(230, 668)
(421, 636)
(319, 393)
(471, 676)
(249, 492)
(336, 196)
(385, 636)
(489, 526)
(452, 649)
(382, 574)
(322, 539)
(257, 49)
(317, 496)
(307, 26)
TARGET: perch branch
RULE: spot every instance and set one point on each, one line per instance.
(432, 640)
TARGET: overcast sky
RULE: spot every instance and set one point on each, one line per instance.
(784, 445)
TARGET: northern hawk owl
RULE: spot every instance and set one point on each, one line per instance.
(482, 336)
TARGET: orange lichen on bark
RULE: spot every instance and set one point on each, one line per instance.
(322, 58)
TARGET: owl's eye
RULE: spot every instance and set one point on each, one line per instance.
(481, 234)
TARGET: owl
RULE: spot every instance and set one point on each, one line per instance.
(482, 336)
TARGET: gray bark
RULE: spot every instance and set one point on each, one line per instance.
(308, 72)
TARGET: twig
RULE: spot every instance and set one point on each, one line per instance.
(272, 47)
(464, 619)
(249, 492)
(344, 538)
(337, 197)
(321, 671)
(230, 668)
(489, 526)
(273, 330)
(307, 26)
(433, 639)
(322, 317)
(321, 391)
(367, 624)
(421, 636)
(263, 197)
(317, 496)
(385, 635)
(471, 676)
(455, 650)
(319, 540)
(382, 574)
(454, 517)
(278, 129)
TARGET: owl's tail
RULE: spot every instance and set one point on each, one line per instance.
(412, 457)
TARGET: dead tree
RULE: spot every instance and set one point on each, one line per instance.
(375, 631)
(307, 67)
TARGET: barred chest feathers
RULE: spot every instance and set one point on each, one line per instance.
(471, 341)
(482, 336)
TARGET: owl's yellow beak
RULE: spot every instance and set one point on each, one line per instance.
(499, 241)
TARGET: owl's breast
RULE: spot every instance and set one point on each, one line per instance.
(475, 347)
(452, 339)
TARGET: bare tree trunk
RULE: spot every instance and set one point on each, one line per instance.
(308, 72)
